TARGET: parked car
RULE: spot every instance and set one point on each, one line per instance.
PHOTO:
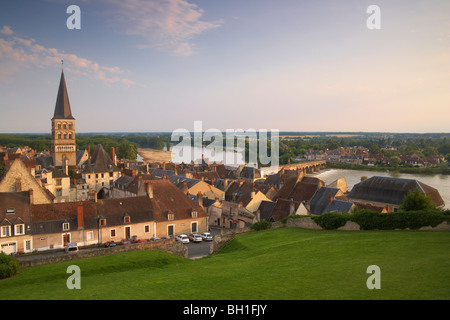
(195, 237)
(183, 238)
(71, 247)
(206, 236)
(110, 244)
(126, 242)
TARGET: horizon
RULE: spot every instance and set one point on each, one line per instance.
(156, 66)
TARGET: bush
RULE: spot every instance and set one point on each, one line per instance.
(370, 220)
(331, 220)
(9, 266)
(261, 225)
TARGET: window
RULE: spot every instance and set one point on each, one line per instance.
(10, 211)
(19, 229)
(90, 236)
(28, 245)
(6, 231)
(58, 192)
(194, 227)
(103, 175)
(59, 125)
(103, 222)
(66, 226)
(194, 214)
(170, 216)
(58, 182)
(59, 135)
(147, 228)
(113, 233)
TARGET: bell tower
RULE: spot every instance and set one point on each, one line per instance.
(63, 129)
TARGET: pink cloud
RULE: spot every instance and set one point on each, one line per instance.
(17, 52)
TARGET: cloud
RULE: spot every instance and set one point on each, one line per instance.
(167, 25)
(17, 53)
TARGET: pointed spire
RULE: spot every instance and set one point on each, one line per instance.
(62, 107)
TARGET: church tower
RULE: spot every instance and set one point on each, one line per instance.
(63, 129)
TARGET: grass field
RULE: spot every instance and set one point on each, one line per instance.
(281, 264)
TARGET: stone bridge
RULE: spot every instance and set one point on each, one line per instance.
(306, 167)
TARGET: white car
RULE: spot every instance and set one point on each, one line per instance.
(183, 238)
(206, 236)
(195, 237)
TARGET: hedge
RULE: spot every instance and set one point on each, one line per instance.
(371, 220)
(9, 266)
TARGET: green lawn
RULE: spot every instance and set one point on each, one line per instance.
(281, 264)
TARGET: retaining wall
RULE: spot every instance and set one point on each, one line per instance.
(168, 245)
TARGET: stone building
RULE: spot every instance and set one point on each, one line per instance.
(63, 129)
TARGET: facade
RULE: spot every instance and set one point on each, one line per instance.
(162, 211)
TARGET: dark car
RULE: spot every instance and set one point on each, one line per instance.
(110, 244)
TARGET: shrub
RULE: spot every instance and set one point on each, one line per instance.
(9, 266)
(369, 220)
(331, 220)
(261, 225)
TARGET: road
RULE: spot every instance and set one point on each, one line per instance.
(200, 249)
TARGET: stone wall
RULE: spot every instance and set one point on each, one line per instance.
(168, 245)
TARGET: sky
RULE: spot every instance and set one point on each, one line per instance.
(291, 65)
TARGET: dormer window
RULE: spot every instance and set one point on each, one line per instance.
(170, 216)
(126, 219)
(19, 229)
(10, 211)
(194, 214)
(102, 222)
(66, 226)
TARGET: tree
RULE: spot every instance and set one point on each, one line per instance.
(416, 200)
(127, 150)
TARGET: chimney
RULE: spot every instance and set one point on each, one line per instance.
(258, 215)
(31, 196)
(185, 188)
(253, 194)
(113, 155)
(89, 151)
(80, 215)
(330, 199)
(18, 185)
(291, 207)
(150, 189)
(200, 199)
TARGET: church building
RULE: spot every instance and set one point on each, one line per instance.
(63, 147)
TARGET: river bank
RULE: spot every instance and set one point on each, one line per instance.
(411, 170)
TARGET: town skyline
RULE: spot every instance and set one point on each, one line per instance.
(154, 67)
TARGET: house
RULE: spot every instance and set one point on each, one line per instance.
(18, 178)
(389, 191)
(230, 215)
(322, 199)
(283, 208)
(15, 219)
(194, 186)
(100, 172)
(163, 211)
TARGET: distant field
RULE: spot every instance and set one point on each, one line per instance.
(281, 264)
(152, 155)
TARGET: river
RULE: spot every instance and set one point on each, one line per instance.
(439, 181)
